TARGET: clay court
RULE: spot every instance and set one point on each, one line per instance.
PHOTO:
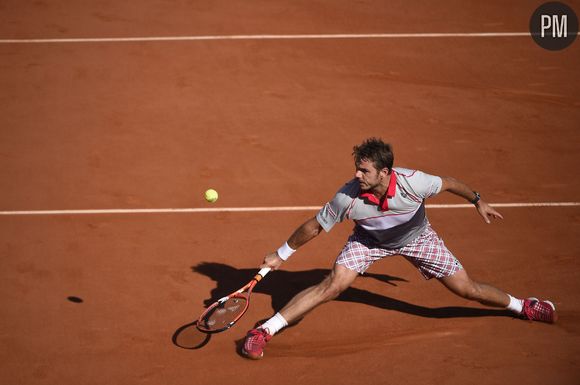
(263, 101)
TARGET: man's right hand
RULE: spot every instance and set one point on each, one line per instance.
(273, 261)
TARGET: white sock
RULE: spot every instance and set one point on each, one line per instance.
(274, 324)
(516, 305)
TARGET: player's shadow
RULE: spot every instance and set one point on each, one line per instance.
(282, 286)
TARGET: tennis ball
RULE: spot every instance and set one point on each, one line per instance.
(211, 195)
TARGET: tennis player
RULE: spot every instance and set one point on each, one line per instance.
(387, 206)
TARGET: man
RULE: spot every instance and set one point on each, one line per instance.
(388, 207)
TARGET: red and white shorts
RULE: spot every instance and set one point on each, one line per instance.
(428, 253)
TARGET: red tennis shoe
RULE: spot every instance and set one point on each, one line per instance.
(536, 310)
(255, 343)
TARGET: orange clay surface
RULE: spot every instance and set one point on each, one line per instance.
(114, 125)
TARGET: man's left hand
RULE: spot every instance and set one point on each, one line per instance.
(487, 212)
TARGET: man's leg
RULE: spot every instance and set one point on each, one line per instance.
(430, 255)
(339, 280)
(531, 308)
(460, 284)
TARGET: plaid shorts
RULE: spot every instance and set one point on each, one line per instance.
(428, 253)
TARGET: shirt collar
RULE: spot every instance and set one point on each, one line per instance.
(384, 205)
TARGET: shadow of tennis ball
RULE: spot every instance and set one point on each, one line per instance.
(75, 299)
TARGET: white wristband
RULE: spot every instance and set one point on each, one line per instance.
(285, 251)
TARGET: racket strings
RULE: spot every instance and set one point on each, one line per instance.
(225, 313)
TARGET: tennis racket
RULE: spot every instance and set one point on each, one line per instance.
(226, 311)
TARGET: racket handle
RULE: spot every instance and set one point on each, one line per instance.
(262, 273)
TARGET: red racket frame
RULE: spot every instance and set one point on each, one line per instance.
(243, 292)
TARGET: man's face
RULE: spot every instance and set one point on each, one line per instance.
(368, 176)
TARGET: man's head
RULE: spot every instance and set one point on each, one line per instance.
(375, 151)
(374, 161)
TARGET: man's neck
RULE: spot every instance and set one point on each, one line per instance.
(380, 190)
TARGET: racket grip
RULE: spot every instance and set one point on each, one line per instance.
(262, 273)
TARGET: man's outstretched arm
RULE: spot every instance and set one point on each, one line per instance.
(461, 189)
(303, 234)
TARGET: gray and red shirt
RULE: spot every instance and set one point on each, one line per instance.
(393, 222)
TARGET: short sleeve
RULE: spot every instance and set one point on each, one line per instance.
(425, 185)
(336, 210)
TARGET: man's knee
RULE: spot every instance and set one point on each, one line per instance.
(469, 290)
(331, 291)
(472, 291)
(464, 287)
(338, 281)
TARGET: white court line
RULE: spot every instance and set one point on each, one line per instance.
(256, 209)
(264, 37)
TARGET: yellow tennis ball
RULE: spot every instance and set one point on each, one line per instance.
(211, 195)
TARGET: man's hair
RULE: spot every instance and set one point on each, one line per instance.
(376, 151)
